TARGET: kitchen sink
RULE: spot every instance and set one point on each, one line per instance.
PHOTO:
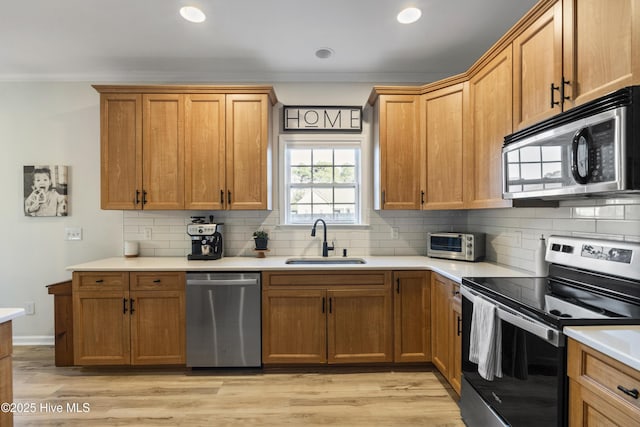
(325, 261)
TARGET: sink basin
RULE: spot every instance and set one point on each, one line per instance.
(321, 261)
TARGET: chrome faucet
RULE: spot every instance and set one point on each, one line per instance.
(325, 246)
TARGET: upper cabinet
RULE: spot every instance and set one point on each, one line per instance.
(601, 47)
(537, 69)
(185, 147)
(490, 90)
(574, 52)
(442, 127)
(397, 158)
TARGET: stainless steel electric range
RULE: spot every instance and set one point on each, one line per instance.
(590, 282)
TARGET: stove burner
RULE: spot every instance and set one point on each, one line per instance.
(559, 314)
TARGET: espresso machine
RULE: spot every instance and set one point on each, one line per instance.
(206, 239)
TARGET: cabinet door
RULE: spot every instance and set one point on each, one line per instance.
(248, 152)
(294, 326)
(101, 328)
(400, 159)
(157, 327)
(412, 313)
(120, 151)
(455, 371)
(490, 116)
(443, 113)
(204, 140)
(359, 326)
(537, 64)
(601, 47)
(163, 151)
(440, 323)
(6, 389)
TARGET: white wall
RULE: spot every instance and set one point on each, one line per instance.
(58, 123)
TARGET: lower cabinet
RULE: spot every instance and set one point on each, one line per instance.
(446, 319)
(123, 318)
(602, 391)
(412, 316)
(326, 317)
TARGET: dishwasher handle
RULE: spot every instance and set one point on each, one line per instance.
(221, 282)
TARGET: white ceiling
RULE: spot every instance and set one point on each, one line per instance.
(247, 40)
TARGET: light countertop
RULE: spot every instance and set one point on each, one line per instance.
(619, 342)
(7, 314)
(453, 270)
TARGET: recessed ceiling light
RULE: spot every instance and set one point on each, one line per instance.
(324, 52)
(192, 14)
(409, 15)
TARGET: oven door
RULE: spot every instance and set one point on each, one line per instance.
(531, 391)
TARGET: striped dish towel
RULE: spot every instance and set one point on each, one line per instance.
(485, 346)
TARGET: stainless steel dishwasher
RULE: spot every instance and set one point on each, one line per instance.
(223, 319)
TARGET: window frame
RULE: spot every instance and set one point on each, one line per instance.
(326, 142)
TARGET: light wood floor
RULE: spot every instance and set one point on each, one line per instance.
(129, 397)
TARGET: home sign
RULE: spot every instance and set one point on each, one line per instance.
(322, 118)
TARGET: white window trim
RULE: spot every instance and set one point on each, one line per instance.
(297, 140)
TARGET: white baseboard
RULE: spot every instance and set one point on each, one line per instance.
(33, 340)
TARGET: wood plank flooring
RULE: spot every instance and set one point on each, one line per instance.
(180, 397)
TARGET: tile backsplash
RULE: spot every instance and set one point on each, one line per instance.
(512, 234)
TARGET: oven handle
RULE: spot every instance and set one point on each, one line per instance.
(552, 336)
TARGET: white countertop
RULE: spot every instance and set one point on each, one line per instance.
(621, 342)
(453, 270)
(7, 314)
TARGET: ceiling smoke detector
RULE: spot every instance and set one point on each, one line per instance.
(192, 14)
(409, 15)
(324, 53)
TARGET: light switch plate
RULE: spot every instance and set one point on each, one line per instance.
(73, 233)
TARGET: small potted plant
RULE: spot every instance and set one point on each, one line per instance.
(261, 238)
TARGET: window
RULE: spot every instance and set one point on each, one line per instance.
(321, 180)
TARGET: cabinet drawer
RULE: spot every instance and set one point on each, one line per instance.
(100, 280)
(324, 279)
(157, 281)
(603, 375)
(5, 340)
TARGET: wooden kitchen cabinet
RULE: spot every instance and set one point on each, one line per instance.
(398, 152)
(594, 396)
(123, 318)
(601, 47)
(537, 66)
(446, 320)
(443, 115)
(326, 317)
(412, 316)
(185, 147)
(490, 119)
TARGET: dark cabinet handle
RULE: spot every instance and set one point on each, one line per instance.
(383, 198)
(422, 197)
(222, 197)
(459, 325)
(131, 301)
(330, 305)
(124, 306)
(99, 281)
(554, 88)
(323, 303)
(157, 281)
(144, 197)
(633, 393)
(398, 285)
(229, 196)
(137, 199)
(562, 95)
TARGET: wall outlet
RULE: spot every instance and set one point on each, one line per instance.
(73, 233)
(30, 308)
(395, 233)
(147, 233)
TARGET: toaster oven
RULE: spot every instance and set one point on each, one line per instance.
(456, 246)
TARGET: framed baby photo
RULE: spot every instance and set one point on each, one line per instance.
(46, 190)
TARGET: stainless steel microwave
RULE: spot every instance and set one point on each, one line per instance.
(456, 246)
(590, 150)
